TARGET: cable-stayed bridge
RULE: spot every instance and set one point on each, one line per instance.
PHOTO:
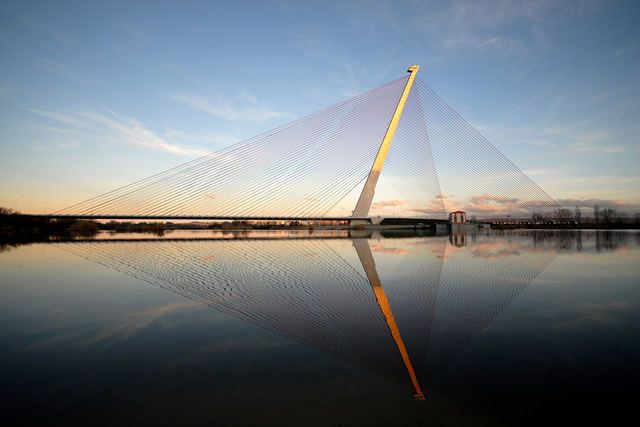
(398, 146)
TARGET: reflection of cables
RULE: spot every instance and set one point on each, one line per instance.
(478, 282)
(307, 290)
(303, 289)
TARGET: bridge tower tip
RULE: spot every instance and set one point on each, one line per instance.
(413, 68)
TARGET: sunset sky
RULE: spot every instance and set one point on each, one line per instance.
(94, 95)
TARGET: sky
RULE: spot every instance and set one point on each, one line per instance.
(94, 95)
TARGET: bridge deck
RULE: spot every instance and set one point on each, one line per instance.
(225, 218)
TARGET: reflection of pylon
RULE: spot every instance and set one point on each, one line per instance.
(369, 265)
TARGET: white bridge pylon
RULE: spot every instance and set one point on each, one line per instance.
(368, 191)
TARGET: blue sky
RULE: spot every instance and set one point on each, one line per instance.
(94, 95)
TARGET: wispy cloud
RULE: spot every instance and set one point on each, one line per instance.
(469, 26)
(243, 107)
(569, 139)
(594, 144)
(63, 118)
(135, 32)
(212, 139)
(462, 25)
(484, 198)
(117, 129)
(348, 73)
(603, 203)
(482, 42)
(586, 140)
(133, 132)
(114, 331)
(69, 72)
(383, 203)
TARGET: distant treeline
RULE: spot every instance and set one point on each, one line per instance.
(160, 227)
(564, 226)
(604, 218)
(15, 225)
(601, 216)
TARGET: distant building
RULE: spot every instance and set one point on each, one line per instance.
(458, 217)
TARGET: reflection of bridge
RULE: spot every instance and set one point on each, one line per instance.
(319, 292)
(329, 166)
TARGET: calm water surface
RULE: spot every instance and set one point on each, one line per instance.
(281, 328)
